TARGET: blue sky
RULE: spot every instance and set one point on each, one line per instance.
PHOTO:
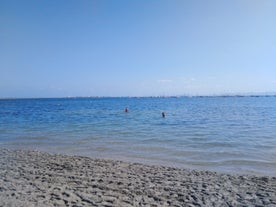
(136, 48)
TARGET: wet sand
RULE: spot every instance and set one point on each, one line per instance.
(32, 178)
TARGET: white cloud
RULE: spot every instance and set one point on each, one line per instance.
(164, 81)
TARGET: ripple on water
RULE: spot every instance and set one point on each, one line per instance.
(214, 133)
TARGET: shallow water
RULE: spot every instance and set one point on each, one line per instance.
(226, 134)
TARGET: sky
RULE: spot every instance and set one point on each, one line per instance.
(71, 48)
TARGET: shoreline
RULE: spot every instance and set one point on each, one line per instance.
(157, 161)
(35, 178)
(221, 95)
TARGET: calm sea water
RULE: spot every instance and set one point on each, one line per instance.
(225, 134)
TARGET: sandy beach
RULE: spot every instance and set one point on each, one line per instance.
(33, 178)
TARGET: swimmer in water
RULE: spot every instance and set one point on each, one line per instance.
(126, 109)
(163, 114)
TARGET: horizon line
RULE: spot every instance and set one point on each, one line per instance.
(265, 94)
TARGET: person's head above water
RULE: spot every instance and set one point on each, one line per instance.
(163, 114)
(126, 109)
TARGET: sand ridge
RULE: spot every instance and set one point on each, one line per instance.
(33, 178)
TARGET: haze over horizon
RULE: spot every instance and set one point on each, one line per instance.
(136, 48)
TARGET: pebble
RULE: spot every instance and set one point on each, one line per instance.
(60, 180)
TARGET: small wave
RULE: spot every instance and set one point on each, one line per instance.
(151, 148)
(232, 163)
(102, 149)
(116, 143)
(158, 140)
(247, 162)
(39, 138)
(219, 144)
(90, 138)
(184, 153)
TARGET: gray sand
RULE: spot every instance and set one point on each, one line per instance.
(31, 178)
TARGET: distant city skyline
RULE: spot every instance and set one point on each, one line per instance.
(137, 48)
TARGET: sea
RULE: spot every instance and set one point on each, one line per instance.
(231, 134)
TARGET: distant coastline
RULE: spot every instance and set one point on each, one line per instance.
(172, 96)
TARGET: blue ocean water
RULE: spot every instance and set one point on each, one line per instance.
(225, 134)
